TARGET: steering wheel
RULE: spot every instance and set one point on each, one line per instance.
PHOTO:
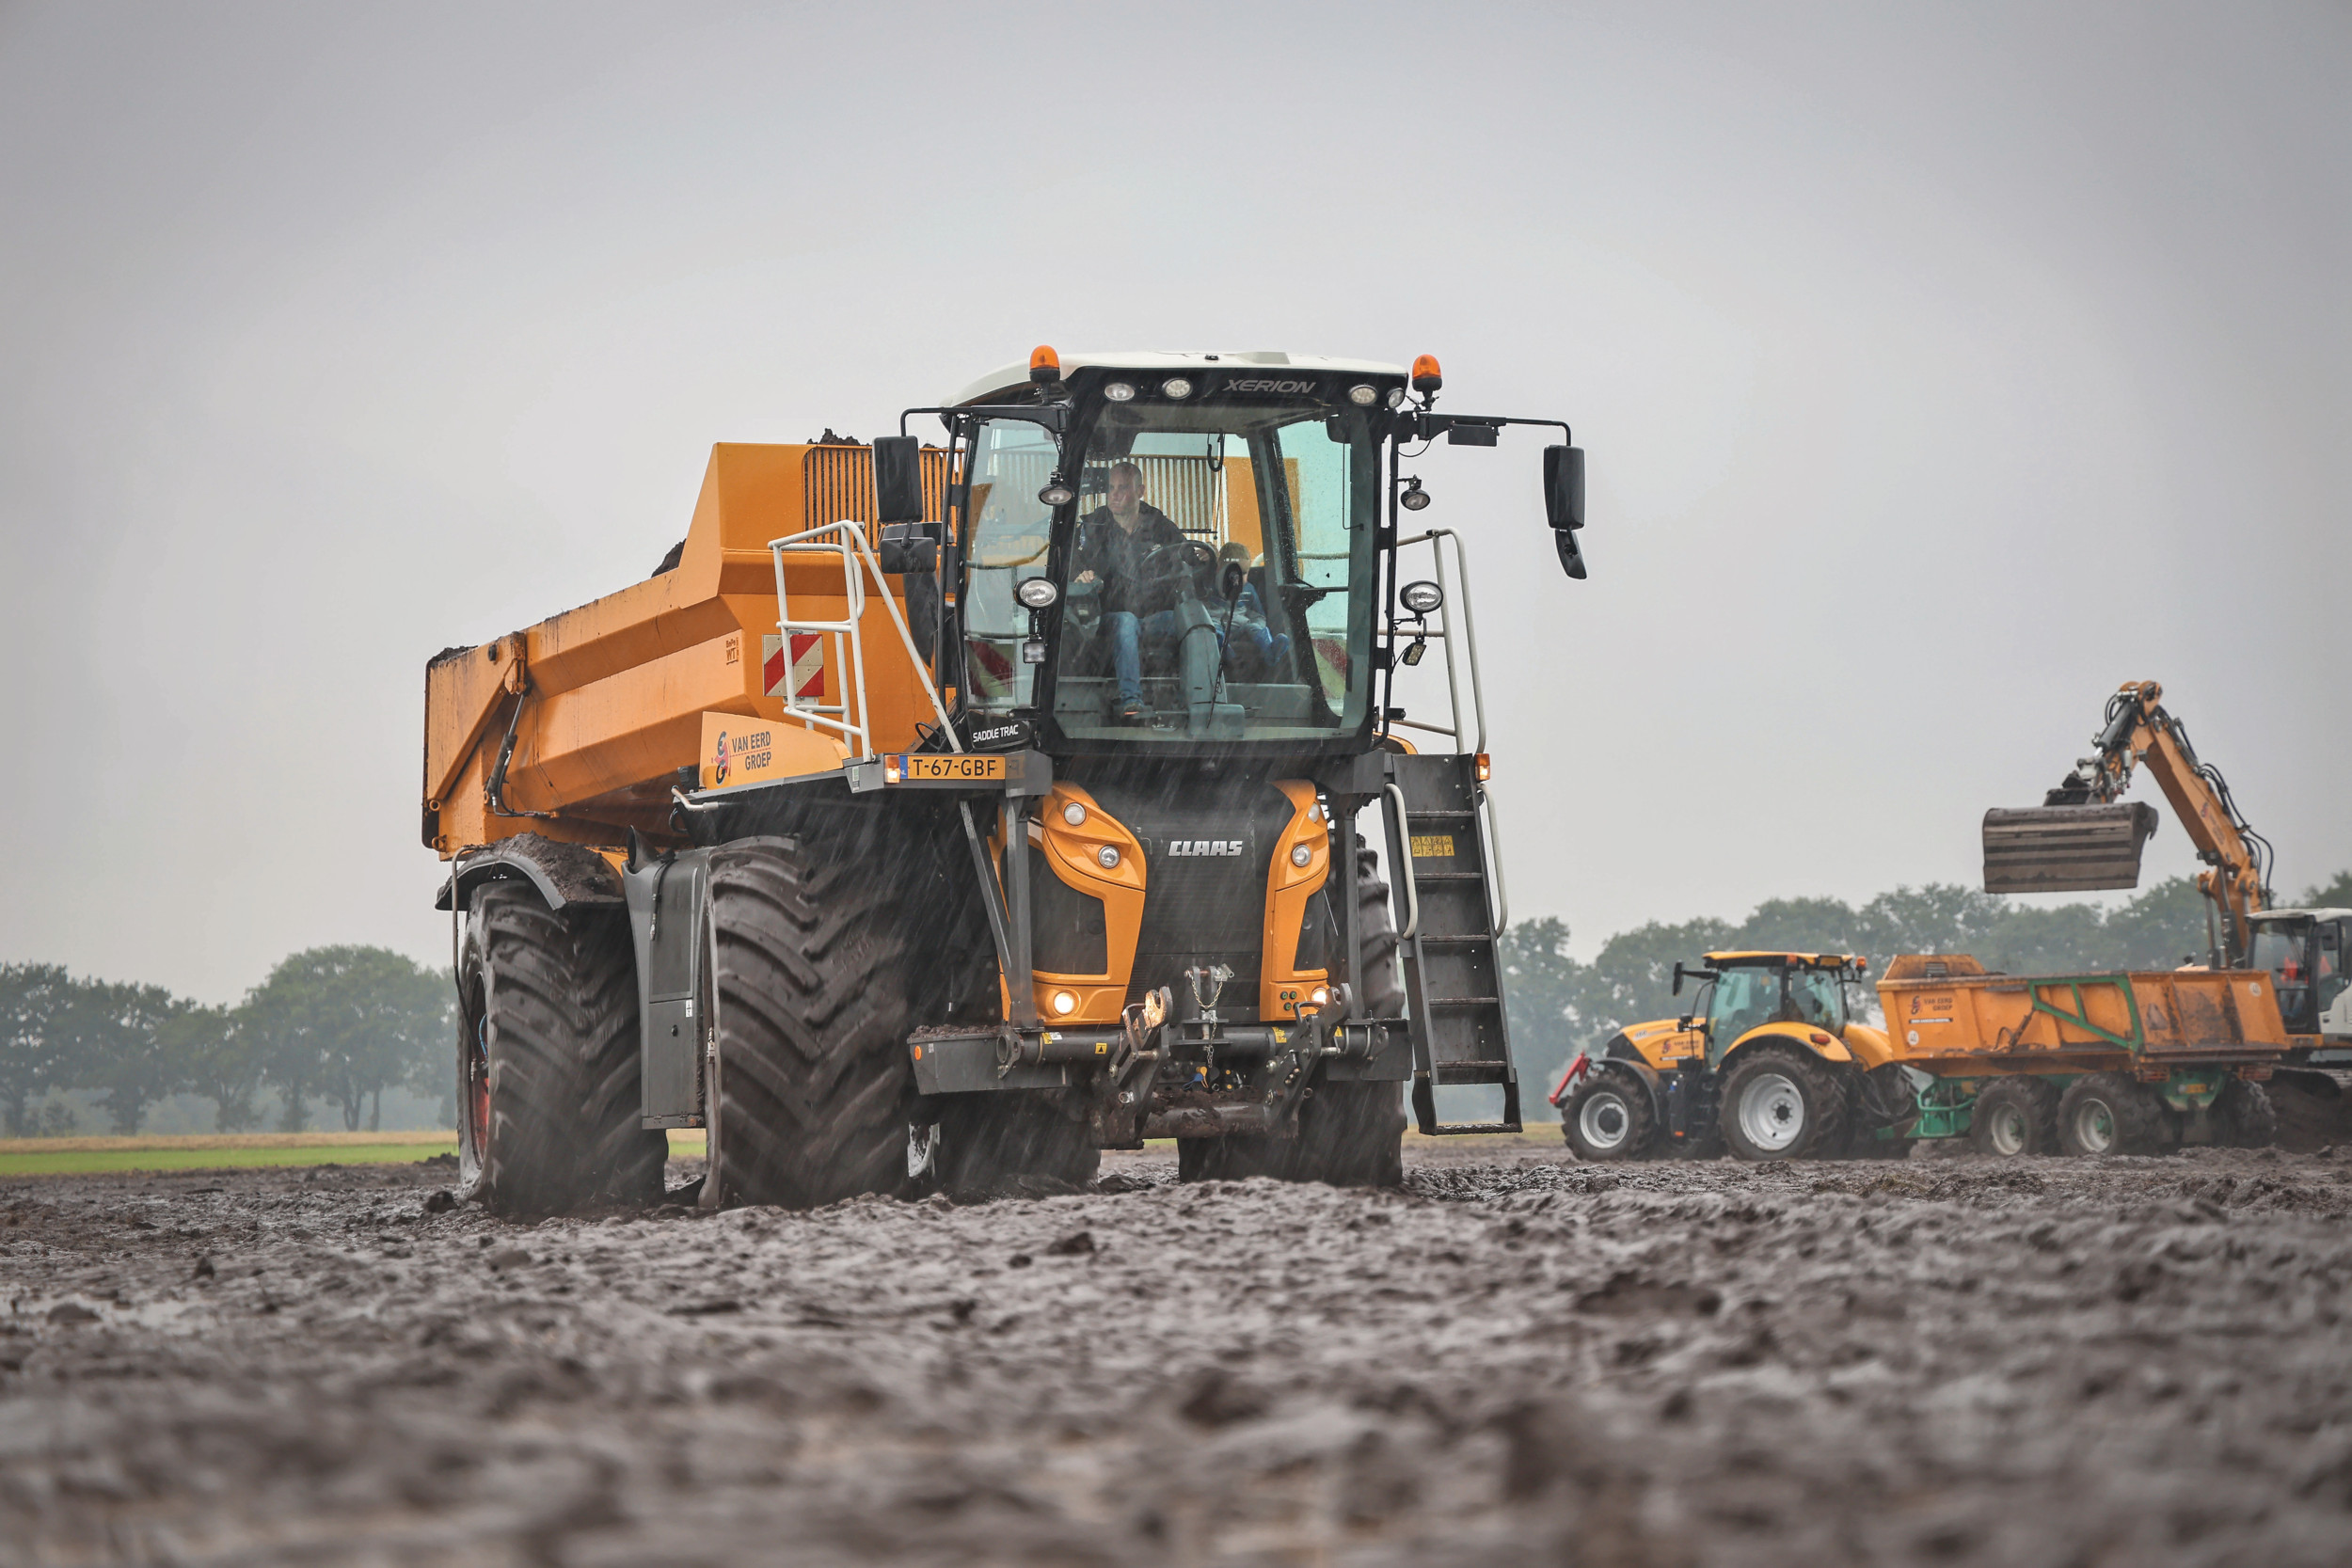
(1177, 563)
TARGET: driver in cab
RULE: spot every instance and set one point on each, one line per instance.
(1115, 541)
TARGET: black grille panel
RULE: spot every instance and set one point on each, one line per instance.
(1205, 847)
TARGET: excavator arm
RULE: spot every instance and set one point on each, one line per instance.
(2081, 837)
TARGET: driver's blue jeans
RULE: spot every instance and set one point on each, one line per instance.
(1128, 630)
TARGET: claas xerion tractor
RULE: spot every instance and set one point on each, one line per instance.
(946, 814)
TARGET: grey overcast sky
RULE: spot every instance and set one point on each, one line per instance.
(1940, 366)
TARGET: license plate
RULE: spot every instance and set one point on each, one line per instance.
(958, 770)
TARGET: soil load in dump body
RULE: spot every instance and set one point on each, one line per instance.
(1514, 1360)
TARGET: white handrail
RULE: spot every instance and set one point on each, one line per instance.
(1443, 632)
(847, 539)
(1405, 858)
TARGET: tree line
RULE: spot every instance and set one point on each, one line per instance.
(1559, 1004)
(337, 1024)
(343, 1025)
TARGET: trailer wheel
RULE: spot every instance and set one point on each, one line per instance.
(2109, 1113)
(1012, 1145)
(2244, 1116)
(1778, 1105)
(1609, 1115)
(816, 982)
(2015, 1115)
(547, 1058)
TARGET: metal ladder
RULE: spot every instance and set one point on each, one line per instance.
(1444, 842)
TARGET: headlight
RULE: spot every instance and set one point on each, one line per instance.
(1036, 592)
(1363, 397)
(1318, 996)
(1176, 386)
(1119, 391)
(1397, 397)
(1065, 1003)
(1058, 494)
(1074, 813)
(1301, 854)
(1421, 597)
(1107, 857)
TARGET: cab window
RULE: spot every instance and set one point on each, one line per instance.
(1010, 461)
(1818, 998)
(1745, 998)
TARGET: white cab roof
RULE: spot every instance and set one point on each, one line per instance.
(2316, 914)
(1016, 376)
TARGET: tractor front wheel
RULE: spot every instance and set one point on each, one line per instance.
(1609, 1115)
(816, 989)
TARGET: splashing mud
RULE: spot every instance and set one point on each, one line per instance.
(1515, 1359)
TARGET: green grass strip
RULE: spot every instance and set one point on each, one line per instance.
(82, 1160)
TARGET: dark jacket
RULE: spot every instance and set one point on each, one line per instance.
(1116, 557)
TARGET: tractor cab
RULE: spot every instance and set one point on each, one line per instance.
(1158, 553)
(1740, 992)
(2306, 951)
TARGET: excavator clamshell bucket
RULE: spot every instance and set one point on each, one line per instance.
(2065, 848)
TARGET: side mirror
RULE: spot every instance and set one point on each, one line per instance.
(1679, 978)
(1563, 487)
(898, 479)
(1233, 581)
(1563, 504)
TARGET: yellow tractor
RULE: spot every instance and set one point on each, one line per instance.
(1768, 1062)
(940, 815)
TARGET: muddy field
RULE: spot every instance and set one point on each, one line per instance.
(1518, 1359)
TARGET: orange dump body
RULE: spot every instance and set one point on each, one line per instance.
(1948, 1017)
(607, 702)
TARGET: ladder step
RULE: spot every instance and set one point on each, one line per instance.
(1437, 814)
(1473, 939)
(1421, 875)
(1466, 1001)
(1456, 1128)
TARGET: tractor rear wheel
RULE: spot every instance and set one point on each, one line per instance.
(1012, 1145)
(1350, 1133)
(2244, 1116)
(2015, 1115)
(816, 989)
(547, 1058)
(1610, 1116)
(1779, 1105)
(2109, 1113)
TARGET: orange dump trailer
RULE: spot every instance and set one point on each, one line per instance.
(621, 694)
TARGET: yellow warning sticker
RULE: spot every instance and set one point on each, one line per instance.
(1433, 846)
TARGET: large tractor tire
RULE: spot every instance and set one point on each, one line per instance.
(2015, 1115)
(2110, 1113)
(1609, 1115)
(816, 985)
(547, 1059)
(1779, 1105)
(1013, 1146)
(2243, 1117)
(1350, 1135)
